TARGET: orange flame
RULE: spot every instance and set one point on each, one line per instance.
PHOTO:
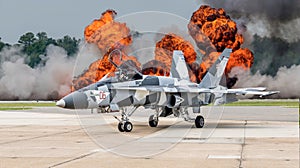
(212, 28)
(107, 16)
(101, 67)
(155, 68)
(215, 25)
(170, 42)
(242, 57)
(163, 56)
(108, 35)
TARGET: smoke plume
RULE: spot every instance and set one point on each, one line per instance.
(286, 81)
(18, 81)
(267, 18)
(271, 30)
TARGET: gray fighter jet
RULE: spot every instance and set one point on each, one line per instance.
(166, 95)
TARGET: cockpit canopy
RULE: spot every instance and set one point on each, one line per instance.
(112, 77)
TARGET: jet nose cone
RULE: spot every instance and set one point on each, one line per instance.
(61, 103)
(75, 100)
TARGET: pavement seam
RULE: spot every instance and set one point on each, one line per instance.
(14, 126)
(42, 136)
(73, 159)
(243, 145)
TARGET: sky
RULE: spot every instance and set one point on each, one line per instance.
(69, 17)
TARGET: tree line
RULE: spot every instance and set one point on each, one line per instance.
(270, 53)
(35, 45)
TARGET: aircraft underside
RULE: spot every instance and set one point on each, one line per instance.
(160, 111)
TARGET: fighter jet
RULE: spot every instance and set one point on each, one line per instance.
(166, 95)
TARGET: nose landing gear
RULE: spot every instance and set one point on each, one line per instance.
(126, 126)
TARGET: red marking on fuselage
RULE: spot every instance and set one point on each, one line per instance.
(102, 95)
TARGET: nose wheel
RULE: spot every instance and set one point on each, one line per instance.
(126, 126)
(121, 127)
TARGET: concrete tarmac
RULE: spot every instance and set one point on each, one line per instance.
(232, 137)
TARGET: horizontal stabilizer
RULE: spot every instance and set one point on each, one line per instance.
(247, 91)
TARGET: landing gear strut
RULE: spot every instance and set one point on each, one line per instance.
(124, 124)
(199, 121)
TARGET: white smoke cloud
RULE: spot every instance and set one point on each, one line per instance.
(290, 31)
(286, 81)
(10, 54)
(259, 25)
(20, 81)
(87, 54)
(143, 48)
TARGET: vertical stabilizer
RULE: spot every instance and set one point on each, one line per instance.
(179, 69)
(214, 75)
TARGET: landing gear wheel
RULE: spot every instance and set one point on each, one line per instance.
(199, 122)
(121, 127)
(153, 121)
(128, 127)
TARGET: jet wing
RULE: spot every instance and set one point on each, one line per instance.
(260, 91)
(165, 89)
(229, 95)
(139, 88)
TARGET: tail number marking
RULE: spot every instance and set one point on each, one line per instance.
(102, 95)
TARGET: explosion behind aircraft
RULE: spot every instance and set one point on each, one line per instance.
(212, 30)
(166, 95)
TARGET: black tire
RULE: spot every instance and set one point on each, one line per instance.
(128, 126)
(199, 122)
(152, 121)
(120, 127)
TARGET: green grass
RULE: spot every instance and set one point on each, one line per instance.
(27, 104)
(14, 108)
(288, 104)
(24, 106)
(291, 104)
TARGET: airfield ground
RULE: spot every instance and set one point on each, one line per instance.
(241, 135)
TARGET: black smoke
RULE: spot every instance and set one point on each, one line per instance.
(273, 10)
(279, 18)
(271, 29)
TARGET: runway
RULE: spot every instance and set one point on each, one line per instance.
(257, 136)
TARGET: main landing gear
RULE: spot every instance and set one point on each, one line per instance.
(153, 121)
(199, 122)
